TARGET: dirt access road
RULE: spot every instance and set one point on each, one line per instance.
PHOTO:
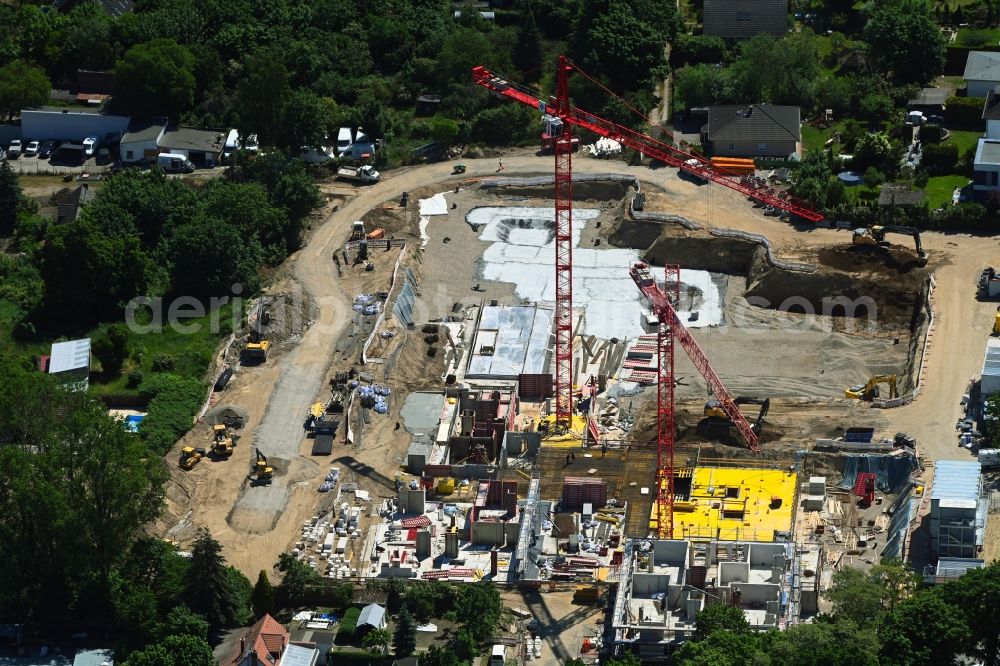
(265, 520)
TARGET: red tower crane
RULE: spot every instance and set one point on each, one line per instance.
(662, 300)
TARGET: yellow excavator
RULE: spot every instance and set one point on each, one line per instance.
(256, 352)
(222, 441)
(869, 390)
(191, 456)
(996, 322)
(719, 422)
(262, 473)
(874, 236)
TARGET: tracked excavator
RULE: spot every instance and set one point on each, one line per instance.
(717, 423)
(869, 390)
(262, 473)
(874, 236)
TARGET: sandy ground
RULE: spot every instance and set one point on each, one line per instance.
(278, 393)
(562, 624)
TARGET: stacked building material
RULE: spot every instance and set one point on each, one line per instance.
(578, 490)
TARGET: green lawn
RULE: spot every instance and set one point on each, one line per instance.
(939, 189)
(191, 353)
(964, 140)
(978, 36)
(813, 138)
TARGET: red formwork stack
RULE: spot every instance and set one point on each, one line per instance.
(580, 490)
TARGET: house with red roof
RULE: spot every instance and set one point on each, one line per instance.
(267, 644)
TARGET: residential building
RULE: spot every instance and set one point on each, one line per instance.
(71, 124)
(141, 141)
(991, 114)
(69, 363)
(990, 380)
(666, 583)
(982, 73)
(267, 644)
(986, 167)
(203, 147)
(372, 617)
(958, 513)
(755, 130)
(735, 20)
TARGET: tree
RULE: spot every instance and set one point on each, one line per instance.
(873, 178)
(443, 130)
(155, 78)
(182, 650)
(940, 157)
(297, 575)
(828, 641)
(10, 198)
(527, 54)
(722, 648)
(793, 83)
(698, 85)
(694, 49)
(903, 39)
(209, 590)
(111, 349)
(263, 596)
(209, 257)
(406, 634)
(627, 659)
(438, 656)
(261, 94)
(305, 121)
(871, 149)
(923, 631)
(720, 617)
(622, 47)
(974, 594)
(464, 645)
(22, 86)
(992, 408)
(376, 640)
(479, 606)
(865, 598)
(181, 621)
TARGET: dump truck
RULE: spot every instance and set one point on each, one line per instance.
(362, 174)
(256, 352)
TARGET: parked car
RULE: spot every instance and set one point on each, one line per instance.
(344, 140)
(89, 145)
(47, 148)
(32, 149)
(15, 149)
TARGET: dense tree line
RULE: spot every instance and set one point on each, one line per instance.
(76, 495)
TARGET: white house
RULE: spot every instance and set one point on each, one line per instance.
(69, 363)
(986, 168)
(142, 139)
(982, 73)
(372, 617)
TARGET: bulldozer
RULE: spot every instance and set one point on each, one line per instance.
(869, 390)
(874, 236)
(222, 441)
(191, 456)
(256, 352)
(262, 473)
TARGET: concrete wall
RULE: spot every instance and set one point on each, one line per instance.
(756, 594)
(993, 129)
(644, 584)
(70, 125)
(733, 572)
(672, 553)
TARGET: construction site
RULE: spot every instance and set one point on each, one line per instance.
(610, 378)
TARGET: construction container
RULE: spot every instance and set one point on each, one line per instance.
(586, 593)
(580, 490)
(446, 486)
(859, 434)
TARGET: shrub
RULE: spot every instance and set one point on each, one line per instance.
(134, 379)
(940, 157)
(173, 402)
(931, 134)
(164, 363)
(348, 625)
(964, 112)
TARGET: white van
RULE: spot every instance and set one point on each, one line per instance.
(344, 140)
(174, 163)
(497, 655)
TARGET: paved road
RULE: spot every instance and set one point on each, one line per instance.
(962, 324)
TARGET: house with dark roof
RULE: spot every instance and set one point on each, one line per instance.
(755, 130)
(69, 202)
(899, 195)
(736, 20)
(929, 101)
(110, 7)
(982, 73)
(203, 147)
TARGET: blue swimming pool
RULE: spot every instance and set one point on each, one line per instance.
(132, 422)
